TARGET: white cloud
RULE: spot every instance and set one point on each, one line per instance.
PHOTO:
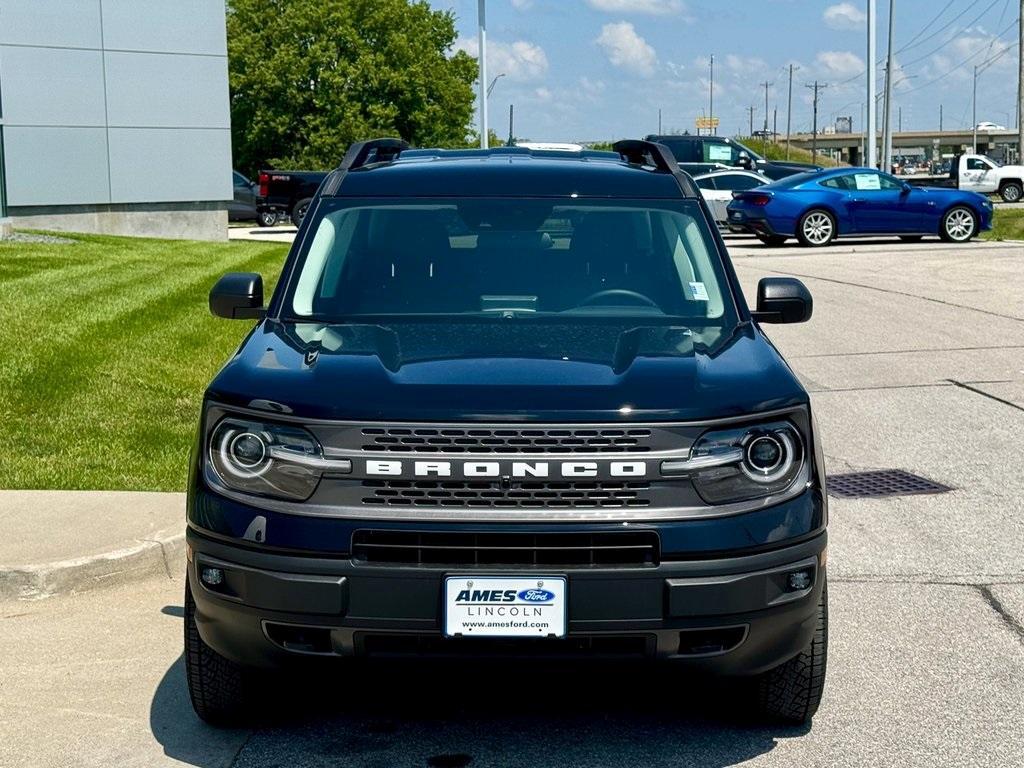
(591, 87)
(844, 16)
(520, 60)
(522, 5)
(543, 94)
(842, 63)
(648, 7)
(626, 49)
(744, 65)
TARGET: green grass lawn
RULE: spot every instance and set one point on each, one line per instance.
(107, 345)
(1008, 224)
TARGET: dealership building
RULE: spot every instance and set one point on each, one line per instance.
(114, 116)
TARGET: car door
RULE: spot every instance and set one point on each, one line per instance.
(880, 203)
(713, 197)
(243, 203)
(726, 184)
(978, 175)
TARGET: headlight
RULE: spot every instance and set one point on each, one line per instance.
(743, 463)
(269, 459)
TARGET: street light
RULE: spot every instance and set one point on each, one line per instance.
(481, 13)
(491, 86)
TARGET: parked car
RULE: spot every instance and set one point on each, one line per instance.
(243, 206)
(728, 152)
(718, 186)
(508, 408)
(981, 174)
(816, 208)
(288, 193)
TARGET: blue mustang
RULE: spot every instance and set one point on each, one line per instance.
(816, 208)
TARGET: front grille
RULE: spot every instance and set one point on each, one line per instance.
(482, 493)
(505, 440)
(606, 548)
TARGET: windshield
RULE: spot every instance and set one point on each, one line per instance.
(510, 258)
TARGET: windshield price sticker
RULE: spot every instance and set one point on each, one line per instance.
(528, 606)
(699, 291)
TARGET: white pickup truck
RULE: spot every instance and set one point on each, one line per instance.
(978, 173)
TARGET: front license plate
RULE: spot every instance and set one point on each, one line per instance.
(504, 606)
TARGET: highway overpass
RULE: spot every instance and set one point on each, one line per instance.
(937, 142)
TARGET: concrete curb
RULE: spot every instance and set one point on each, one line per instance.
(162, 555)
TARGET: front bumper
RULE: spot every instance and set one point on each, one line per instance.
(730, 615)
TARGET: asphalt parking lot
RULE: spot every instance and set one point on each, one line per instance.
(915, 361)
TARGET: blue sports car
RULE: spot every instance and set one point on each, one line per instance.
(816, 208)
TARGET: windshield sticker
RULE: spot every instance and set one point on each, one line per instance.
(719, 152)
(867, 181)
(700, 293)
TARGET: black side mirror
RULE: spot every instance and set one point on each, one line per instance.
(238, 296)
(783, 300)
(744, 161)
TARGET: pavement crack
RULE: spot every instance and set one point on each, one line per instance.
(1009, 619)
(983, 393)
(238, 752)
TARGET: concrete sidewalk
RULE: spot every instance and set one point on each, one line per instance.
(67, 541)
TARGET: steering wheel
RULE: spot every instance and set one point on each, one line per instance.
(621, 293)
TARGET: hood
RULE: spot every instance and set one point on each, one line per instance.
(505, 371)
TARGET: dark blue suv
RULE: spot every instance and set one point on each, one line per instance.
(507, 402)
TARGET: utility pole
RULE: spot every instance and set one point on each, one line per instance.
(775, 123)
(974, 113)
(481, 13)
(711, 99)
(814, 136)
(659, 121)
(789, 109)
(511, 131)
(751, 110)
(1020, 87)
(899, 123)
(887, 127)
(871, 128)
(764, 136)
(940, 118)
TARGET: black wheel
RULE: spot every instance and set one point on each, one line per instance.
(959, 224)
(911, 238)
(1011, 192)
(218, 687)
(266, 218)
(817, 228)
(792, 691)
(299, 211)
(772, 241)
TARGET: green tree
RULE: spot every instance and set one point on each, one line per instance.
(308, 77)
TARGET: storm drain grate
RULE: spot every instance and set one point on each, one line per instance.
(883, 482)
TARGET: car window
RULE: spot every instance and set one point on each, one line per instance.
(836, 182)
(977, 164)
(708, 182)
(737, 181)
(485, 257)
(240, 180)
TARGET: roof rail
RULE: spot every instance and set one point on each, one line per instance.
(381, 150)
(362, 153)
(639, 152)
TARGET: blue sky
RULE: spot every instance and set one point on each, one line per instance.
(598, 69)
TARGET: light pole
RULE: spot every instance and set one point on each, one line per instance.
(481, 13)
(871, 128)
(887, 116)
(711, 98)
(974, 113)
(495, 80)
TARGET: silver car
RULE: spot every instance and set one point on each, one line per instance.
(718, 186)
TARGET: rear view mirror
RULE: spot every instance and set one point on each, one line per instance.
(238, 296)
(783, 300)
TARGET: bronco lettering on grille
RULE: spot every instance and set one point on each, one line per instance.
(515, 469)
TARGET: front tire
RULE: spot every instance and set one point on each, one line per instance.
(1012, 192)
(218, 687)
(792, 691)
(817, 228)
(266, 219)
(959, 224)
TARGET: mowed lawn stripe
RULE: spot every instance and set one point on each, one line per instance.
(104, 387)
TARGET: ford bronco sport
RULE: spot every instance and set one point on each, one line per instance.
(507, 401)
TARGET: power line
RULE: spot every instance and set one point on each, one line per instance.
(910, 43)
(953, 69)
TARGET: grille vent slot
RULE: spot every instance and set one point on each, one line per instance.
(456, 493)
(505, 440)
